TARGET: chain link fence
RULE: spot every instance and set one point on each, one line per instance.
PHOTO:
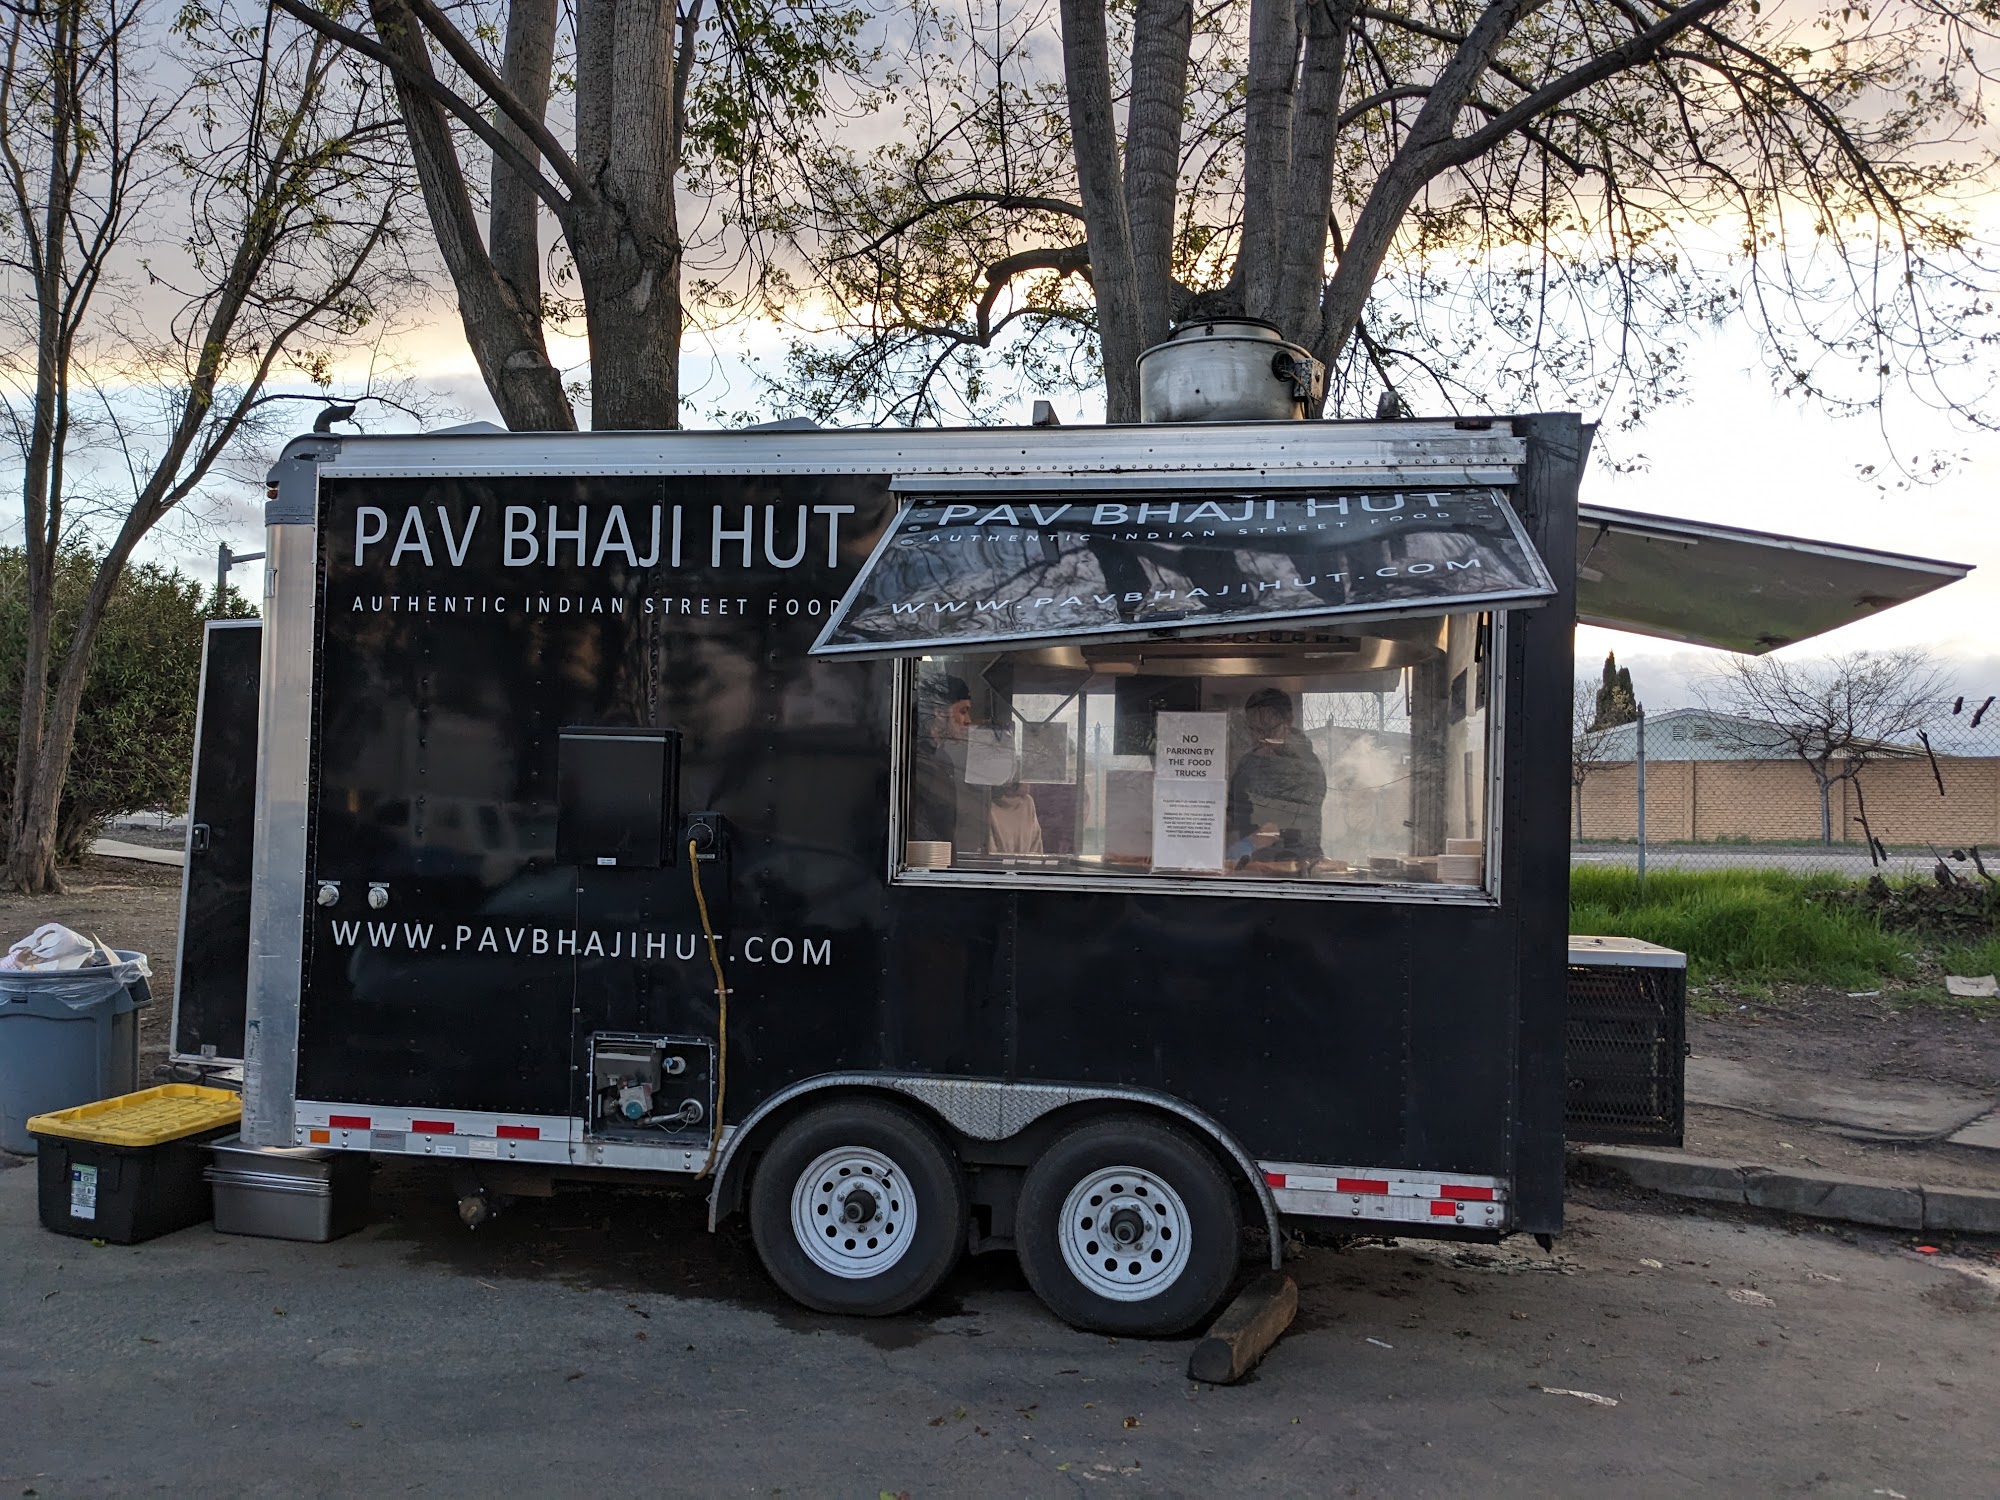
(1721, 793)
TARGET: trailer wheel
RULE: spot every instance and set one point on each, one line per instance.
(1127, 1227)
(858, 1208)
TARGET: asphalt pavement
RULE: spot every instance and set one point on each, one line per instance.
(602, 1343)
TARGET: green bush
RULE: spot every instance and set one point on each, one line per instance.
(1747, 925)
(135, 731)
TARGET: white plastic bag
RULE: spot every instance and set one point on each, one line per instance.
(53, 948)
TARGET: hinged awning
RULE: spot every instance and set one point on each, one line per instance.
(992, 570)
(1749, 591)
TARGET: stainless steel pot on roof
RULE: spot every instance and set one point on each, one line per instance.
(1227, 370)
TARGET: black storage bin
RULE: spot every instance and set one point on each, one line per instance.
(129, 1169)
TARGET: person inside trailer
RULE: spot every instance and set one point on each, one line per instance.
(1277, 795)
(944, 808)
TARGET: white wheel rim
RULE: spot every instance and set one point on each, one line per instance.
(853, 1213)
(1124, 1234)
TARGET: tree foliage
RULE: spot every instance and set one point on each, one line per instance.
(1514, 204)
(705, 98)
(1616, 702)
(135, 728)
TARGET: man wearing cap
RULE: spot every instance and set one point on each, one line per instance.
(1278, 791)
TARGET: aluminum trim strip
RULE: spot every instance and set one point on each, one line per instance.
(1413, 1197)
(1248, 447)
(932, 482)
(279, 844)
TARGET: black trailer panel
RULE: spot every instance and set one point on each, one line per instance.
(458, 961)
(211, 973)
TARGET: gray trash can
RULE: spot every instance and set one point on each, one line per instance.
(67, 1038)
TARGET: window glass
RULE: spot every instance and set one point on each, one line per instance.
(1292, 755)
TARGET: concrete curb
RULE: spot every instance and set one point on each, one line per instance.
(1852, 1200)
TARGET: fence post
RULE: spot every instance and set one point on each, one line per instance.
(1640, 762)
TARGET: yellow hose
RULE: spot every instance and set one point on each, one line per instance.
(722, 1012)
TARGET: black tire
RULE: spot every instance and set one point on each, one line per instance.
(1152, 1298)
(921, 1180)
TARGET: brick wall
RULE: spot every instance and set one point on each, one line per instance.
(1765, 800)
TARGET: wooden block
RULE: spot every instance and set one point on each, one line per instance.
(1247, 1328)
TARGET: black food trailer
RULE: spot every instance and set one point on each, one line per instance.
(1087, 842)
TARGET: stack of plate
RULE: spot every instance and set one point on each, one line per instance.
(1463, 862)
(927, 854)
(1461, 869)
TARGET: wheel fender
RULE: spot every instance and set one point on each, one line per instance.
(984, 1110)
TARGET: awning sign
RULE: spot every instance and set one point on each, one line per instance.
(989, 570)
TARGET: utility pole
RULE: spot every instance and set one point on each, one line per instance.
(224, 561)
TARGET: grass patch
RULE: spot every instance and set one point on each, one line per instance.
(1745, 926)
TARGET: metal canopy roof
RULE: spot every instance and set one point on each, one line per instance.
(1726, 586)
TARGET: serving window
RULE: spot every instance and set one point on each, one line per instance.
(1273, 762)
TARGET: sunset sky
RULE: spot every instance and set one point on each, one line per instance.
(1734, 453)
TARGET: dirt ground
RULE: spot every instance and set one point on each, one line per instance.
(1890, 1035)
(1732, 1135)
(128, 904)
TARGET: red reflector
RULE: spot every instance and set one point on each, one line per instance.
(1443, 1208)
(1466, 1193)
(1361, 1184)
(1274, 1179)
(519, 1132)
(348, 1122)
(431, 1127)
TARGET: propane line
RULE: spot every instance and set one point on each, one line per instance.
(722, 1011)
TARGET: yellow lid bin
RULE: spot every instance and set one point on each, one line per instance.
(150, 1117)
(129, 1168)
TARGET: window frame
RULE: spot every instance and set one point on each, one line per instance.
(1260, 887)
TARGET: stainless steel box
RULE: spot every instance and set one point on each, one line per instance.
(288, 1194)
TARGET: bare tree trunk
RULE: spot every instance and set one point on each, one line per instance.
(1094, 136)
(31, 862)
(1267, 151)
(1301, 246)
(513, 219)
(1161, 31)
(504, 332)
(625, 238)
(41, 488)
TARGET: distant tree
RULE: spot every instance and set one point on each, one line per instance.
(135, 726)
(1589, 742)
(1616, 703)
(1833, 716)
(200, 215)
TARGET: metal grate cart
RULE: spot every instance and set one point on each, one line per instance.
(1627, 1042)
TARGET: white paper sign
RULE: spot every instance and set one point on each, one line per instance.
(989, 757)
(1190, 790)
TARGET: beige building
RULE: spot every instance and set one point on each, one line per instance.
(1708, 780)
